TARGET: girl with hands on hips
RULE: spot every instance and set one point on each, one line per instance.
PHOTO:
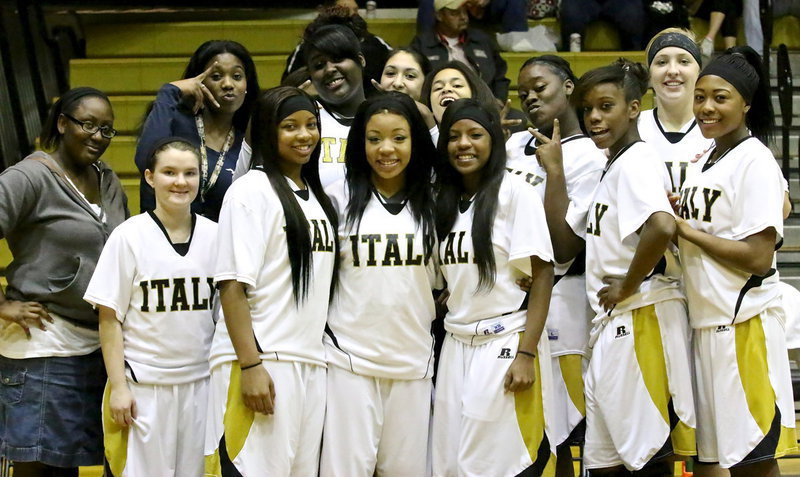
(276, 265)
(57, 209)
(635, 295)
(26, 314)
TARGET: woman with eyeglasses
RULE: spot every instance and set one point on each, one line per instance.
(57, 209)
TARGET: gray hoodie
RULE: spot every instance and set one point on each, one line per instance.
(54, 236)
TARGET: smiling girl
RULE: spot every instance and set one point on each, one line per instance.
(57, 210)
(674, 61)
(639, 404)
(276, 264)
(378, 343)
(730, 228)
(154, 291)
(493, 387)
(452, 81)
(405, 71)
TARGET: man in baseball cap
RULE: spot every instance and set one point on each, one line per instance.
(451, 39)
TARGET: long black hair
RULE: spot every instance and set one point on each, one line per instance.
(267, 159)
(480, 90)
(66, 104)
(206, 52)
(450, 186)
(418, 173)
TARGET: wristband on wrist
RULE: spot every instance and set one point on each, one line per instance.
(526, 353)
(243, 368)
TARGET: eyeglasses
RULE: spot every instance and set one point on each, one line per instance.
(106, 131)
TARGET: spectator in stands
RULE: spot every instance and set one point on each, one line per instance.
(503, 15)
(345, 12)
(452, 39)
(722, 16)
(210, 107)
(56, 211)
(628, 16)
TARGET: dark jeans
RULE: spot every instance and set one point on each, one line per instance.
(628, 16)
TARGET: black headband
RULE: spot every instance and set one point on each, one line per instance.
(554, 64)
(675, 39)
(734, 69)
(473, 112)
(293, 104)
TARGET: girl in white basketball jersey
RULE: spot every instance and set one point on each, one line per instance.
(673, 60)
(153, 286)
(335, 66)
(639, 403)
(493, 388)
(275, 268)
(378, 343)
(564, 171)
(731, 210)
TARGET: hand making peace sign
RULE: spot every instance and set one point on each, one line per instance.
(195, 87)
(548, 151)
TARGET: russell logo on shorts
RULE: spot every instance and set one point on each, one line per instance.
(621, 332)
(505, 353)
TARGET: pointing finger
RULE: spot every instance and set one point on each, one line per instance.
(539, 136)
(205, 73)
(208, 95)
(556, 131)
(378, 86)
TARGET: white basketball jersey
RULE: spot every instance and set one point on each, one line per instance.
(253, 251)
(163, 299)
(380, 318)
(676, 149)
(738, 196)
(633, 187)
(333, 143)
(519, 232)
(569, 315)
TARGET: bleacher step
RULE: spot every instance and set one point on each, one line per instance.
(135, 76)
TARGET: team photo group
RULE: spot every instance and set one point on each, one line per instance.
(352, 277)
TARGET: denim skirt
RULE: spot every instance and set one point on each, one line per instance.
(50, 410)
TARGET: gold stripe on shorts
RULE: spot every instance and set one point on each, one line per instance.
(238, 417)
(530, 418)
(572, 372)
(115, 438)
(236, 425)
(650, 356)
(751, 358)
